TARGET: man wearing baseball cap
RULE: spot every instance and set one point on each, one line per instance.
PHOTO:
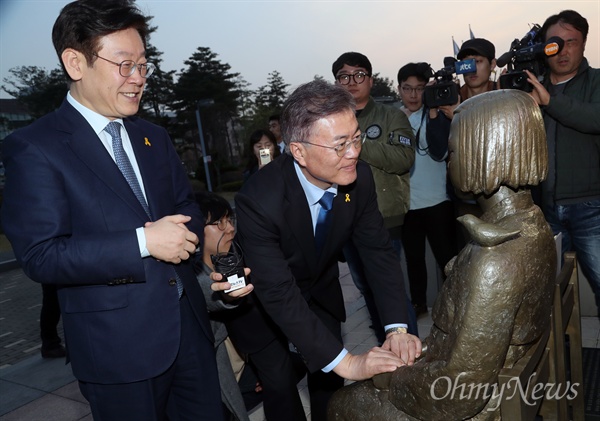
(484, 54)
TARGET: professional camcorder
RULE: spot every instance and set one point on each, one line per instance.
(529, 53)
(445, 90)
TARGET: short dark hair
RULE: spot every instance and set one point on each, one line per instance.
(352, 59)
(82, 23)
(570, 17)
(213, 206)
(274, 117)
(254, 139)
(309, 103)
(422, 71)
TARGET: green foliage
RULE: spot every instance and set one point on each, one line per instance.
(232, 186)
(37, 89)
(272, 95)
(383, 87)
(268, 101)
(206, 78)
(158, 92)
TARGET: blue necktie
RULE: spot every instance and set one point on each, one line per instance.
(114, 130)
(323, 220)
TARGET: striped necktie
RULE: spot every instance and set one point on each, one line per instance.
(114, 130)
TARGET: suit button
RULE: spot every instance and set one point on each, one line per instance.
(172, 282)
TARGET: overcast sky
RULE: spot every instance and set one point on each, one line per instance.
(300, 39)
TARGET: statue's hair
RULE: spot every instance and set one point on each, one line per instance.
(500, 140)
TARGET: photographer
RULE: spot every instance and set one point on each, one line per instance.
(219, 230)
(484, 54)
(431, 214)
(570, 102)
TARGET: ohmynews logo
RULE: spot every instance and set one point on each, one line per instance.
(530, 394)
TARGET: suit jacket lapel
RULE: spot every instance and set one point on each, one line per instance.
(297, 212)
(85, 144)
(142, 148)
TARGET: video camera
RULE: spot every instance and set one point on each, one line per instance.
(529, 53)
(230, 266)
(445, 90)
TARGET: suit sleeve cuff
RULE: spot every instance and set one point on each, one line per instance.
(141, 237)
(335, 362)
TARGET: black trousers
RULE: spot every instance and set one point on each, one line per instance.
(279, 376)
(187, 391)
(279, 372)
(436, 224)
(49, 317)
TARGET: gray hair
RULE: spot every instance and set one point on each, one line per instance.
(309, 103)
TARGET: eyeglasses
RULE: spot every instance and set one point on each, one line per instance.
(358, 77)
(409, 89)
(343, 148)
(222, 223)
(127, 67)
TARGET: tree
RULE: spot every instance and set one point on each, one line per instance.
(272, 95)
(383, 87)
(158, 92)
(206, 77)
(268, 101)
(37, 89)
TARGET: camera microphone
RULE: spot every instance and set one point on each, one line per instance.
(550, 48)
(504, 59)
(553, 46)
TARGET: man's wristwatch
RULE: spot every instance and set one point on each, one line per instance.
(395, 330)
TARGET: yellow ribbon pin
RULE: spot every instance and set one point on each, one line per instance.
(347, 197)
(147, 142)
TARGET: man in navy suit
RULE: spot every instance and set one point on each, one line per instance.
(294, 257)
(97, 202)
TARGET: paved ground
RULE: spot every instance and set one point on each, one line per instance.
(32, 388)
(35, 389)
(20, 304)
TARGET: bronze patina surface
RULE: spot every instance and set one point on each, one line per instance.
(496, 300)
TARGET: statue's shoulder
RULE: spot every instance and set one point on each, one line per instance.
(486, 234)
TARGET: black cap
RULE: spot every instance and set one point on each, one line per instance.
(477, 47)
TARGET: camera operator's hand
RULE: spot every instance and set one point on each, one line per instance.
(539, 93)
(448, 110)
(219, 285)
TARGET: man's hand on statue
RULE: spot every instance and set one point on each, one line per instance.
(408, 347)
(364, 366)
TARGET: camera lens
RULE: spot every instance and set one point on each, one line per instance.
(444, 93)
(519, 81)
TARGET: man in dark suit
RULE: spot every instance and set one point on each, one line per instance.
(295, 275)
(97, 202)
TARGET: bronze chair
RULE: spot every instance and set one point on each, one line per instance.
(518, 401)
(566, 357)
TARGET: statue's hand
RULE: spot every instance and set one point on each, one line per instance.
(408, 347)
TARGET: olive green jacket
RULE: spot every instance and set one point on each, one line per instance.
(389, 150)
